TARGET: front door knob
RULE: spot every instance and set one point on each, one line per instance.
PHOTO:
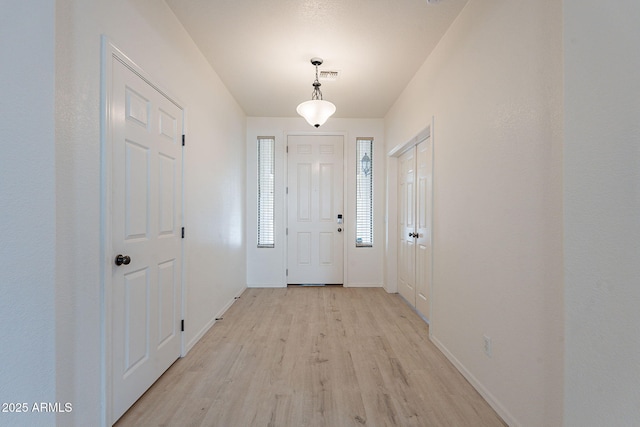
(123, 259)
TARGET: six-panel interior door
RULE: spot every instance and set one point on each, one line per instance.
(146, 227)
(423, 225)
(414, 226)
(315, 199)
(407, 226)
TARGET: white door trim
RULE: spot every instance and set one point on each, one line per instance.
(344, 197)
(399, 150)
(110, 54)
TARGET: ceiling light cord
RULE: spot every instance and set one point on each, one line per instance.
(317, 93)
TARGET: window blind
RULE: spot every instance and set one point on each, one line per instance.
(364, 192)
(266, 192)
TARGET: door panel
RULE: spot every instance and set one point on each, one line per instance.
(136, 322)
(167, 192)
(303, 180)
(315, 198)
(406, 261)
(326, 248)
(136, 190)
(167, 281)
(146, 218)
(424, 215)
(303, 254)
(327, 196)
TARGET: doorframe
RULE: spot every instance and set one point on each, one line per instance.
(345, 252)
(393, 156)
(110, 53)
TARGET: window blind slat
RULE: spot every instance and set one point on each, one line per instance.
(266, 192)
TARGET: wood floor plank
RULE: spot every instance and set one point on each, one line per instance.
(313, 356)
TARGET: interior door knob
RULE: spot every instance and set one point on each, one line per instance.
(339, 230)
(123, 259)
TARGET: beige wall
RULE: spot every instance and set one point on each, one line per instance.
(494, 89)
(27, 211)
(214, 180)
(602, 212)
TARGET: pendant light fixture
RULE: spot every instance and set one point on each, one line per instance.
(316, 111)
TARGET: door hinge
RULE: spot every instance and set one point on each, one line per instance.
(183, 232)
(287, 149)
(287, 271)
(287, 231)
(182, 325)
(183, 140)
(287, 190)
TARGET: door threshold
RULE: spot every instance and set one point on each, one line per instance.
(315, 284)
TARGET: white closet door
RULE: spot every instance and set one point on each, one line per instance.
(146, 231)
(407, 226)
(415, 214)
(424, 197)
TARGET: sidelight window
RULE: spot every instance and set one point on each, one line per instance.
(266, 192)
(364, 192)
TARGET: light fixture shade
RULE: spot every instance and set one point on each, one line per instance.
(316, 111)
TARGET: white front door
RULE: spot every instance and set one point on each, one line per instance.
(407, 226)
(146, 217)
(315, 242)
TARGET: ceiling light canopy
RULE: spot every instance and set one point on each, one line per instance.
(317, 111)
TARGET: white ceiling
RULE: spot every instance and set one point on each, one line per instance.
(262, 49)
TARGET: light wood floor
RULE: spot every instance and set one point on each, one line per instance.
(314, 356)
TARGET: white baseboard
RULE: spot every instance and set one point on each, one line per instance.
(267, 285)
(211, 322)
(486, 394)
(363, 285)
